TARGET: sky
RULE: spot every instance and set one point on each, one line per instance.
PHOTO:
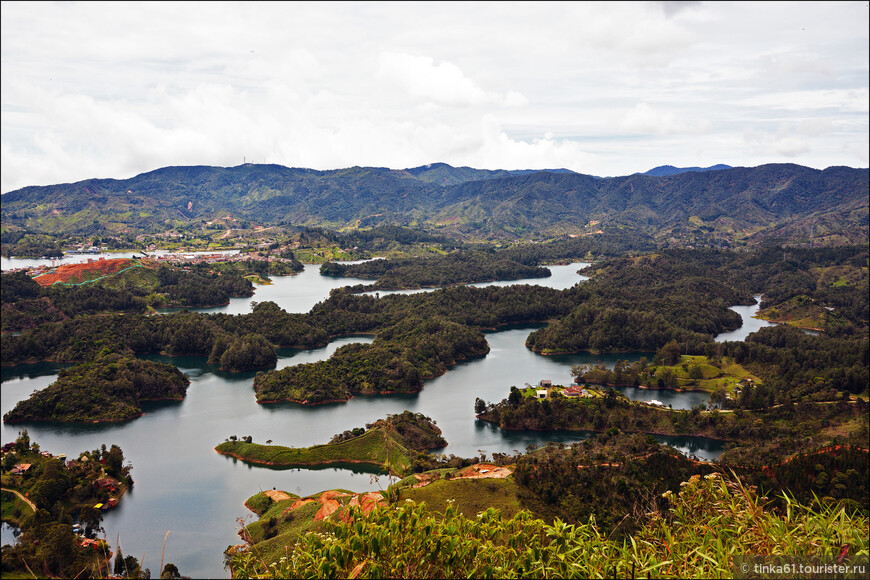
(117, 89)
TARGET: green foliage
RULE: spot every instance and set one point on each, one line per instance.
(678, 298)
(109, 388)
(460, 267)
(617, 479)
(398, 360)
(248, 352)
(392, 444)
(200, 287)
(47, 543)
(795, 366)
(708, 521)
(696, 372)
(24, 245)
(467, 496)
(25, 304)
(804, 425)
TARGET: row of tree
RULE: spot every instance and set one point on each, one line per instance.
(458, 267)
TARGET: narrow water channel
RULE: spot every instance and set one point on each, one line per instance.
(750, 323)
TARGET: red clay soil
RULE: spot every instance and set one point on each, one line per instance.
(366, 502)
(475, 472)
(276, 495)
(75, 273)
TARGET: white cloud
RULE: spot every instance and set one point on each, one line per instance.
(443, 83)
(845, 100)
(645, 119)
(784, 143)
(605, 88)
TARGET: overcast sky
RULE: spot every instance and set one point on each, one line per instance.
(118, 89)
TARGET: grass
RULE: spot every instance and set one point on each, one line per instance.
(289, 526)
(260, 503)
(371, 448)
(797, 312)
(711, 523)
(727, 375)
(11, 504)
(467, 496)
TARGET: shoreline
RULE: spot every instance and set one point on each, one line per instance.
(299, 463)
(518, 429)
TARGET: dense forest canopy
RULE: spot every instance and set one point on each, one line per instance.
(108, 388)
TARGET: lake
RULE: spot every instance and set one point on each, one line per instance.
(184, 487)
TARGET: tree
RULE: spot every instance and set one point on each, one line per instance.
(170, 571)
(579, 371)
(479, 406)
(22, 444)
(91, 518)
(57, 549)
(719, 396)
(670, 353)
(119, 562)
(114, 461)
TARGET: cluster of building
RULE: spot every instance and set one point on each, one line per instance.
(542, 390)
(20, 468)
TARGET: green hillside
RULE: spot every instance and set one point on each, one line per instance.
(779, 201)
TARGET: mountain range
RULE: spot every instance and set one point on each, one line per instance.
(663, 170)
(775, 201)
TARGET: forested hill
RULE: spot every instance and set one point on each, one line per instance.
(787, 202)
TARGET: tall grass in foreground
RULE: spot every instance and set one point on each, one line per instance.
(710, 521)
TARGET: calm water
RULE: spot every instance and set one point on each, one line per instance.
(750, 324)
(8, 534)
(184, 487)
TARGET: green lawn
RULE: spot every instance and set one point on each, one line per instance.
(370, 448)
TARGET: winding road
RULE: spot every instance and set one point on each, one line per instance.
(24, 499)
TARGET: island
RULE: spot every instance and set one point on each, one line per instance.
(110, 388)
(391, 445)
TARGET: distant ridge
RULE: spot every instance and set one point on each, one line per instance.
(775, 202)
(445, 175)
(665, 170)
